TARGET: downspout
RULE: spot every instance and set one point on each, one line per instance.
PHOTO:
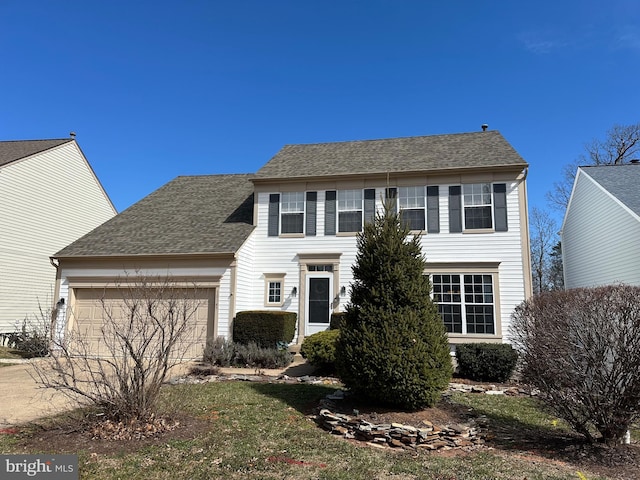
(55, 308)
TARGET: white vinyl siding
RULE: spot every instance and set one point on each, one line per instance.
(48, 201)
(502, 248)
(599, 238)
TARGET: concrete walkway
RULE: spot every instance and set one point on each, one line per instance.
(22, 400)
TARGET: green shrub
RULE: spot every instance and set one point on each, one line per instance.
(486, 362)
(265, 328)
(392, 347)
(320, 349)
(336, 320)
(224, 353)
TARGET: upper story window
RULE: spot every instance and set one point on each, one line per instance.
(292, 212)
(477, 206)
(411, 203)
(349, 210)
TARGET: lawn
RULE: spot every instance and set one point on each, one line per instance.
(240, 430)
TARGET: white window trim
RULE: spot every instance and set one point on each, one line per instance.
(490, 205)
(294, 212)
(270, 278)
(479, 268)
(338, 211)
(423, 208)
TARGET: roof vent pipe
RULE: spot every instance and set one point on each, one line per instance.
(635, 161)
(484, 127)
(72, 134)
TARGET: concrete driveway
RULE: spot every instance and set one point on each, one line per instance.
(22, 400)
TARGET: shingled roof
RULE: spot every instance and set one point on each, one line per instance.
(409, 154)
(621, 181)
(191, 214)
(13, 150)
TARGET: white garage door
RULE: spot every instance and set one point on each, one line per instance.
(93, 308)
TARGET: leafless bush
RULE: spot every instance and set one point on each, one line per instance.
(581, 348)
(146, 329)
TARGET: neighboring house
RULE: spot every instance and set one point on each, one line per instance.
(50, 196)
(285, 238)
(601, 229)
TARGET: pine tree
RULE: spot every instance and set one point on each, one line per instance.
(393, 348)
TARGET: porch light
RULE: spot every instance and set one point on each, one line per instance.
(294, 291)
(343, 291)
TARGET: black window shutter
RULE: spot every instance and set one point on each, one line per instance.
(433, 210)
(274, 214)
(369, 204)
(330, 213)
(391, 194)
(500, 206)
(312, 198)
(455, 209)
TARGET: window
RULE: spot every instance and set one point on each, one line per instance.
(411, 203)
(320, 268)
(349, 210)
(274, 295)
(274, 289)
(465, 302)
(292, 212)
(477, 206)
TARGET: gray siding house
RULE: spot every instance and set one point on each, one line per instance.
(601, 228)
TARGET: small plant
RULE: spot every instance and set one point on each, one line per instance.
(31, 340)
(320, 349)
(224, 353)
(486, 362)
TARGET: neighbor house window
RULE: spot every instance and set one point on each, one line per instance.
(411, 203)
(349, 210)
(292, 212)
(274, 289)
(477, 206)
(466, 302)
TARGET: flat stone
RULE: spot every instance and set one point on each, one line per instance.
(494, 392)
(377, 445)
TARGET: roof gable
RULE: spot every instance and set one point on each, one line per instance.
(189, 215)
(621, 181)
(10, 151)
(409, 154)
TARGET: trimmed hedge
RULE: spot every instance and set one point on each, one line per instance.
(486, 362)
(320, 349)
(265, 328)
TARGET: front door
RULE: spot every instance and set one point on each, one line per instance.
(319, 302)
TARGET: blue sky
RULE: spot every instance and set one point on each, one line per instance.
(157, 89)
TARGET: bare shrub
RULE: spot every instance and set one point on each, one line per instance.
(146, 330)
(581, 349)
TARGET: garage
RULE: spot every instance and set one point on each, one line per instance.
(93, 308)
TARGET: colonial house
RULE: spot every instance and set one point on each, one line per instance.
(601, 228)
(285, 237)
(50, 196)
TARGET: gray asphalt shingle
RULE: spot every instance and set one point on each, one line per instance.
(409, 154)
(13, 150)
(190, 214)
(622, 181)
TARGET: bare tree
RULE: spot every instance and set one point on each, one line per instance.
(146, 330)
(543, 238)
(581, 349)
(620, 145)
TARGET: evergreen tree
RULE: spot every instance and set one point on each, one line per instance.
(392, 347)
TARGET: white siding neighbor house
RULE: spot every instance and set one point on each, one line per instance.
(50, 196)
(601, 228)
(285, 237)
